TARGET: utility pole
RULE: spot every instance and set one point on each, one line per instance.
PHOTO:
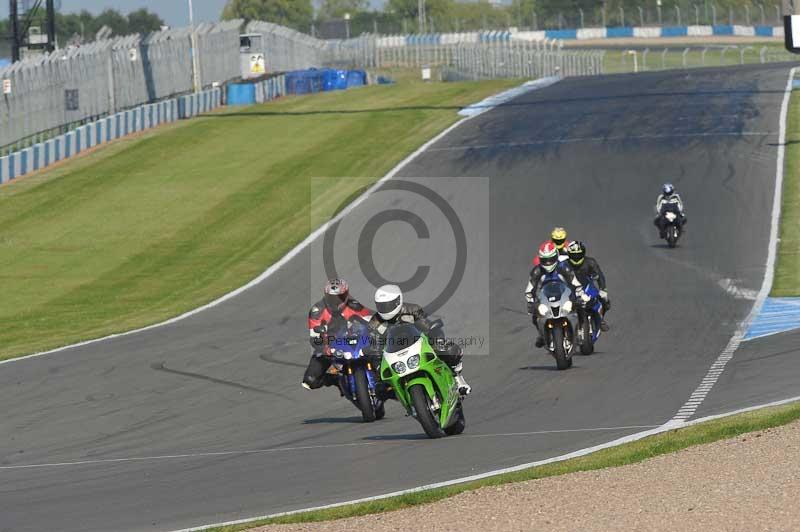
(15, 36)
(195, 51)
(51, 26)
(422, 16)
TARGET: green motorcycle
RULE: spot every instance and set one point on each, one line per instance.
(421, 381)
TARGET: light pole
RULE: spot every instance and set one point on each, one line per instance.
(347, 25)
(195, 51)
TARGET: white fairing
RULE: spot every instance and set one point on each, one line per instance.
(670, 216)
(403, 356)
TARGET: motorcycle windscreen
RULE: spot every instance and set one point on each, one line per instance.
(553, 292)
(401, 337)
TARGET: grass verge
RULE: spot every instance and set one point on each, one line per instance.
(787, 271)
(617, 60)
(629, 453)
(153, 226)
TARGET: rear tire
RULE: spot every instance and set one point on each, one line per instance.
(587, 346)
(421, 402)
(672, 237)
(460, 423)
(364, 398)
(562, 360)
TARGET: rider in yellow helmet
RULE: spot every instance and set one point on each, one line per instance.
(559, 237)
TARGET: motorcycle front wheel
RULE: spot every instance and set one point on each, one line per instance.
(563, 361)
(364, 398)
(587, 346)
(422, 405)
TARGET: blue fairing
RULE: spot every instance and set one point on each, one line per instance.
(348, 344)
(592, 291)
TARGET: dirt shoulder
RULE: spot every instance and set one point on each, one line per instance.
(751, 482)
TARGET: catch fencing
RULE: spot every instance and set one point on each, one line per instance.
(48, 95)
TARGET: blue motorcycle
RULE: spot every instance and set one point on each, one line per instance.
(358, 378)
(589, 317)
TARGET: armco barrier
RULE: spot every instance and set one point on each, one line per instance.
(119, 125)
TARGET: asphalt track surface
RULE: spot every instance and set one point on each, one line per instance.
(144, 412)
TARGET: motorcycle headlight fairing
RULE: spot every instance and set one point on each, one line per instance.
(543, 309)
(399, 367)
(413, 362)
(567, 306)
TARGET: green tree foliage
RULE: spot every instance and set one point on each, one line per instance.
(143, 21)
(296, 14)
(336, 9)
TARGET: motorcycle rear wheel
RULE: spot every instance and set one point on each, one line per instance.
(421, 402)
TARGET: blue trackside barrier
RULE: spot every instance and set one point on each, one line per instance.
(722, 29)
(319, 80)
(356, 78)
(619, 32)
(241, 94)
(561, 34)
(674, 31)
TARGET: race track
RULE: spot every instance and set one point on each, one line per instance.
(204, 420)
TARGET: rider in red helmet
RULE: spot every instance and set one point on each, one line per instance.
(549, 265)
(336, 303)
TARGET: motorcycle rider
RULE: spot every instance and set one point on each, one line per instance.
(588, 271)
(336, 304)
(668, 201)
(549, 266)
(392, 310)
(558, 236)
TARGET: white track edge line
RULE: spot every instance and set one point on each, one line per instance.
(666, 427)
(283, 260)
(718, 366)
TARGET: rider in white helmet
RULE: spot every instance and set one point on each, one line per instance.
(390, 309)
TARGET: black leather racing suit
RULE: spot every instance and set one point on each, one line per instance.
(449, 352)
(589, 271)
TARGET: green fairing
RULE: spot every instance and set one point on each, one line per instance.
(434, 375)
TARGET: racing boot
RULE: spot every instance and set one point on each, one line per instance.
(464, 389)
(539, 341)
(604, 326)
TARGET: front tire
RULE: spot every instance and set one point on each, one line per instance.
(587, 346)
(672, 237)
(562, 360)
(364, 398)
(421, 402)
(460, 423)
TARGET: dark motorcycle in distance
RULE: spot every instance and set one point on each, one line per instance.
(673, 227)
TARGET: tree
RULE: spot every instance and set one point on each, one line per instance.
(114, 20)
(296, 14)
(437, 10)
(143, 21)
(335, 9)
